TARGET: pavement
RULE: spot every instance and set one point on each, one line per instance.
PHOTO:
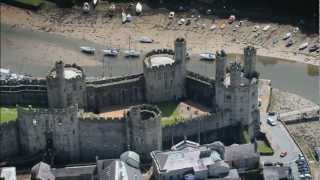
(280, 141)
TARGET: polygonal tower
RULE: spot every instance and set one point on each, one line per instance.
(250, 55)
(221, 66)
(165, 73)
(144, 132)
(66, 86)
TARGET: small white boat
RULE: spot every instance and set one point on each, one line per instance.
(123, 17)
(213, 27)
(86, 7)
(87, 49)
(145, 39)
(95, 2)
(131, 53)
(110, 52)
(138, 8)
(266, 28)
(286, 36)
(207, 56)
(303, 46)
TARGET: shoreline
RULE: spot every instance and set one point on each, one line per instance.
(113, 33)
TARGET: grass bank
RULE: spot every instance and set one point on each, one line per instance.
(264, 148)
(8, 114)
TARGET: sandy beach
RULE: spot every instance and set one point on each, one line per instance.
(99, 28)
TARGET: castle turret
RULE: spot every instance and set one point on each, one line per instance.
(66, 86)
(220, 77)
(235, 74)
(180, 50)
(250, 55)
(221, 64)
(144, 128)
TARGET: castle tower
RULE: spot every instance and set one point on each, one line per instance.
(235, 74)
(66, 86)
(144, 130)
(220, 77)
(180, 50)
(250, 56)
(56, 96)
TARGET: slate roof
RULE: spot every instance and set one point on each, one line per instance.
(276, 173)
(237, 152)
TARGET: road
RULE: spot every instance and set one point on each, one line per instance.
(280, 141)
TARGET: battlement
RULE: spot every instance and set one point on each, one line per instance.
(147, 111)
(33, 81)
(199, 77)
(114, 79)
(159, 51)
(97, 118)
(70, 71)
(235, 67)
(249, 51)
(180, 40)
(220, 54)
(32, 110)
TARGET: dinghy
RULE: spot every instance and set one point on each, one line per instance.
(87, 49)
(207, 56)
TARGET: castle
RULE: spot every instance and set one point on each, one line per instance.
(61, 121)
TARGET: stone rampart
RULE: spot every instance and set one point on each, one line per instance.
(9, 145)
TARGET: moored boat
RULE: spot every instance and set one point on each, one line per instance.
(207, 56)
(87, 49)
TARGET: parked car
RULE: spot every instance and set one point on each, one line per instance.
(271, 121)
(283, 154)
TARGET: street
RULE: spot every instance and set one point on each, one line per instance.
(280, 141)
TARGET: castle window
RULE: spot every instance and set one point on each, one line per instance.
(74, 86)
(172, 73)
(253, 93)
(73, 131)
(253, 106)
(80, 87)
(159, 76)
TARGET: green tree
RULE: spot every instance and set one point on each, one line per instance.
(65, 3)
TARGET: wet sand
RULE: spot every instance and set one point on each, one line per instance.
(102, 30)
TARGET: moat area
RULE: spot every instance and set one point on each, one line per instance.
(26, 51)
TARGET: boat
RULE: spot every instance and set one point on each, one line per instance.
(138, 8)
(110, 52)
(313, 48)
(303, 46)
(145, 39)
(123, 17)
(266, 28)
(95, 2)
(86, 7)
(87, 49)
(213, 27)
(131, 53)
(289, 43)
(207, 56)
(286, 36)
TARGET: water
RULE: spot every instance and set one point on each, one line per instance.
(298, 78)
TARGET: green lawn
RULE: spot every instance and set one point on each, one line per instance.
(30, 2)
(170, 113)
(8, 114)
(263, 148)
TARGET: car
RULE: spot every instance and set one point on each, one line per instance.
(283, 154)
(271, 121)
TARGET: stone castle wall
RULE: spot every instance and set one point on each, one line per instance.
(102, 137)
(25, 92)
(200, 89)
(115, 92)
(9, 145)
(38, 127)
